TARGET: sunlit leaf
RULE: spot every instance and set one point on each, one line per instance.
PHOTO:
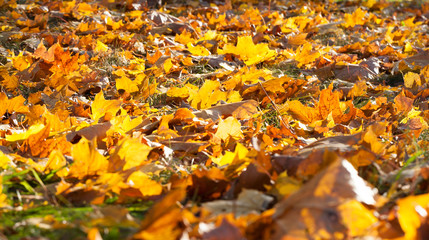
(198, 50)
(249, 52)
(229, 128)
(87, 161)
(412, 79)
(410, 213)
(34, 129)
(100, 107)
(356, 18)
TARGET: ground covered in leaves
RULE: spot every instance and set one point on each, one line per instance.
(221, 120)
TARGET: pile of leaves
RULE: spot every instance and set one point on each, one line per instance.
(214, 120)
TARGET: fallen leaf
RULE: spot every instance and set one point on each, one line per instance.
(87, 161)
(230, 128)
(314, 209)
(248, 201)
(100, 107)
(247, 51)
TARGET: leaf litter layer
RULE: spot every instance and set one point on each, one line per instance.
(221, 120)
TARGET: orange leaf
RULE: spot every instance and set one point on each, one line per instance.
(10, 81)
(305, 54)
(46, 55)
(411, 211)
(300, 111)
(152, 59)
(162, 219)
(329, 102)
(15, 104)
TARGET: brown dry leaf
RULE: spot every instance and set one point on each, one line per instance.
(403, 104)
(420, 60)
(318, 208)
(225, 231)
(160, 18)
(164, 218)
(365, 70)
(208, 184)
(97, 131)
(248, 201)
(238, 110)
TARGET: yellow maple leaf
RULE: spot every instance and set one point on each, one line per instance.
(4, 161)
(249, 52)
(239, 153)
(412, 79)
(10, 81)
(127, 84)
(127, 124)
(24, 135)
(168, 66)
(410, 210)
(146, 186)
(184, 38)
(56, 161)
(3, 197)
(357, 218)
(356, 18)
(198, 50)
(209, 94)
(129, 153)
(101, 47)
(229, 128)
(305, 54)
(182, 92)
(87, 161)
(21, 62)
(100, 107)
(286, 185)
